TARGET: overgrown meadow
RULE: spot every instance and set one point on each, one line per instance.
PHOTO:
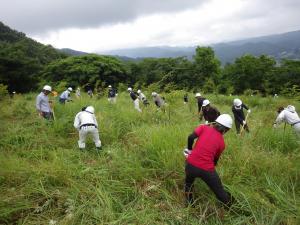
(138, 176)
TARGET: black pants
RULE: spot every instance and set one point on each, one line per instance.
(62, 100)
(210, 178)
(238, 126)
(48, 115)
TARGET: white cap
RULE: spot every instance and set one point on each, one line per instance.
(153, 94)
(291, 108)
(109, 86)
(197, 95)
(129, 89)
(47, 88)
(139, 91)
(90, 109)
(205, 102)
(237, 102)
(225, 120)
(70, 89)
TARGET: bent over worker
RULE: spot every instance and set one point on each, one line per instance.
(239, 117)
(85, 122)
(290, 116)
(210, 113)
(135, 99)
(65, 96)
(203, 157)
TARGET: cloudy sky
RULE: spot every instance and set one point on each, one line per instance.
(101, 25)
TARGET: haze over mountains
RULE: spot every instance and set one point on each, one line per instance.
(286, 45)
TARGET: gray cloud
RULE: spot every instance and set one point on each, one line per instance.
(37, 16)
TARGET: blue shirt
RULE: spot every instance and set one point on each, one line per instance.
(65, 95)
(42, 103)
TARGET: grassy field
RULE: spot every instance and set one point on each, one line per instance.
(138, 177)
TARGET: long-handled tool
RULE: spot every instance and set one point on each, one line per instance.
(243, 127)
(52, 107)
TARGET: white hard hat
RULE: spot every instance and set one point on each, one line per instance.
(237, 102)
(47, 88)
(225, 120)
(70, 89)
(197, 95)
(109, 86)
(205, 102)
(153, 94)
(129, 89)
(90, 109)
(139, 91)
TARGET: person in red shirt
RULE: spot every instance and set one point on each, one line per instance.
(203, 157)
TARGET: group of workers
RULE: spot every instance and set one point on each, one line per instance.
(201, 157)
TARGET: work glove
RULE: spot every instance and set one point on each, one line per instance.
(249, 111)
(116, 94)
(244, 122)
(275, 125)
(186, 152)
(206, 122)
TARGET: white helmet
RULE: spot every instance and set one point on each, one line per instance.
(109, 86)
(139, 91)
(205, 102)
(90, 109)
(47, 88)
(237, 102)
(225, 120)
(70, 89)
(129, 89)
(197, 95)
(154, 94)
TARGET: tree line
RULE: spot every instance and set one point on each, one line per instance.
(25, 65)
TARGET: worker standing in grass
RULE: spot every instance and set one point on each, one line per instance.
(239, 117)
(86, 123)
(210, 113)
(200, 100)
(203, 157)
(78, 93)
(289, 116)
(143, 98)
(185, 99)
(158, 101)
(66, 96)
(135, 99)
(42, 103)
(112, 94)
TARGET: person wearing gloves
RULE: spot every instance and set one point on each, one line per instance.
(43, 104)
(289, 116)
(112, 94)
(135, 99)
(210, 113)
(203, 157)
(200, 100)
(86, 123)
(142, 98)
(158, 101)
(239, 117)
(66, 96)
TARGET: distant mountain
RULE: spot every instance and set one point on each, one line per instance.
(286, 45)
(72, 52)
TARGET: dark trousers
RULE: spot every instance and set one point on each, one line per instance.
(47, 115)
(211, 178)
(62, 100)
(238, 126)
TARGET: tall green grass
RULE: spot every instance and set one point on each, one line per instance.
(138, 177)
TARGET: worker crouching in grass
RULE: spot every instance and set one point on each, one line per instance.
(86, 123)
(289, 116)
(203, 157)
(210, 113)
(43, 103)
